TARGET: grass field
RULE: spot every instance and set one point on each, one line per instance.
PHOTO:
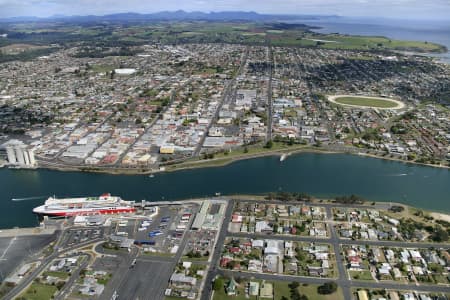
(216, 32)
(367, 102)
(281, 289)
(62, 275)
(361, 275)
(39, 292)
(221, 159)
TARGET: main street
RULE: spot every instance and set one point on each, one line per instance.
(228, 92)
(269, 96)
(213, 271)
(338, 257)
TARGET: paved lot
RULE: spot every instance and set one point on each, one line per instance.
(14, 251)
(80, 235)
(163, 244)
(146, 280)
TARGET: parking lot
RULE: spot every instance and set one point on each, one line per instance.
(145, 280)
(164, 232)
(80, 235)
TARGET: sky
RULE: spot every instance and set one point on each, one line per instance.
(402, 9)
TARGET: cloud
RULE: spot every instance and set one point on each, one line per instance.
(384, 8)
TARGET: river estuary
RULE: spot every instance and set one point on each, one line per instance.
(322, 175)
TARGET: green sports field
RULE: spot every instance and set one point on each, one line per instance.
(368, 102)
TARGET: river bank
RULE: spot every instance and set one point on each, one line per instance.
(224, 160)
(220, 162)
(311, 172)
(408, 211)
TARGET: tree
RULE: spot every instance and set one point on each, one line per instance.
(83, 273)
(268, 145)
(218, 284)
(327, 288)
(60, 284)
(294, 285)
(397, 208)
(439, 235)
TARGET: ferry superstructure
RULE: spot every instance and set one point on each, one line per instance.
(105, 204)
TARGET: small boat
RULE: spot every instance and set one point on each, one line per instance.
(151, 175)
(283, 157)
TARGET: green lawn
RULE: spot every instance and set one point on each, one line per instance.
(62, 275)
(104, 279)
(311, 292)
(39, 291)
(281, 289)
(368, 102)
(102, 68)
(224, 158)
(361, 275)
(193, 259)
(374, 42)
(440, 279)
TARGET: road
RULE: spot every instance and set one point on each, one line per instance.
(150, 126)
(342, 279)
(57, 156)
(213, 271)
(228, 91)
(269, 97)
(342, 283)
(44, 264)
(69, 284)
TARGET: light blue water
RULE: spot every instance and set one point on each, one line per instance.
(431, 31)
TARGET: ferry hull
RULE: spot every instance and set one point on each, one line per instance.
(68, 207)
(57, 214)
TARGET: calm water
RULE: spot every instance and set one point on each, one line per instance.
(317, 174)
(431, 31)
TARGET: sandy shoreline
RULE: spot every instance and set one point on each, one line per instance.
(440, 216)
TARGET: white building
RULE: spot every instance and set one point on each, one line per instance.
(18, 153)
(11, 155)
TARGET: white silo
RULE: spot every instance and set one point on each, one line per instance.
(25, 156)
(19, 155)
(31, 156)
(11, 155)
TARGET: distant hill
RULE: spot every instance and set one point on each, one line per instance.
(178, 15)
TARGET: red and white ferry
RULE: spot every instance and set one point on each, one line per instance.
(105, 204)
